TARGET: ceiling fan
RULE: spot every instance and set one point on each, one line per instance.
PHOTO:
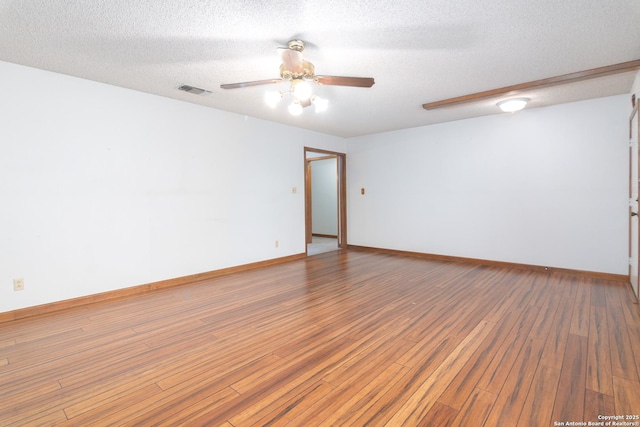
(298, 72)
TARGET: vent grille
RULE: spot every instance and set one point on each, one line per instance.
(194, 90)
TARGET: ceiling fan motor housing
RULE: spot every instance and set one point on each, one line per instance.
(296, 45)
(308, 72)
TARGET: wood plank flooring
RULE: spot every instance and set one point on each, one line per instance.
(346, 338)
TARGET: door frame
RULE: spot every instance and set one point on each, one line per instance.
(341, 160)
(634, 238)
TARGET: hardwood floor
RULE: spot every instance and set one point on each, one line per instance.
(345, 338)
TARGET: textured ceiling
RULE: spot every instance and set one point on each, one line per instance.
(417, 51)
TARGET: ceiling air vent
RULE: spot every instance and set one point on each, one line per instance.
(194, 90)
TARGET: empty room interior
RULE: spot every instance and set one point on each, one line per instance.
(319, 213)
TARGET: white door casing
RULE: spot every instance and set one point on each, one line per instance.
(634, 237)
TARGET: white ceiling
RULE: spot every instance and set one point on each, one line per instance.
(417, 51)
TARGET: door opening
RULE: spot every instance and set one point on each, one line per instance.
(325, 200)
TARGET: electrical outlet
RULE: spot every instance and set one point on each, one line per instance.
(277, 244)
(18, 284)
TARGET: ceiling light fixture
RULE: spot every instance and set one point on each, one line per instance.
(300, 73)
(272, 98)
(295, 109)
(301, 89)
(321, 104)
(513, 104)
(302, 94)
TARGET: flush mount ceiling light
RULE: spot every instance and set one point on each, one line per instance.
(513, 104)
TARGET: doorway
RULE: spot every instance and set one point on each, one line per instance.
(325, 200)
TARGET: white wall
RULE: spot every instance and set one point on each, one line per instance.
(545, 186)
(324, 195)
(104, 188)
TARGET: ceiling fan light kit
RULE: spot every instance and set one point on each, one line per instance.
(302, 95)
(299, 73)
(301, 89)
(512, 105)
(272, 98)
(295, 109)
(321, 104)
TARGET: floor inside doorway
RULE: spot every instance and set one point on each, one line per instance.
(322, 244)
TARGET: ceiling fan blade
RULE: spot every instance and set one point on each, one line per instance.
(247, 84)
(345, 81)
(292, 60)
